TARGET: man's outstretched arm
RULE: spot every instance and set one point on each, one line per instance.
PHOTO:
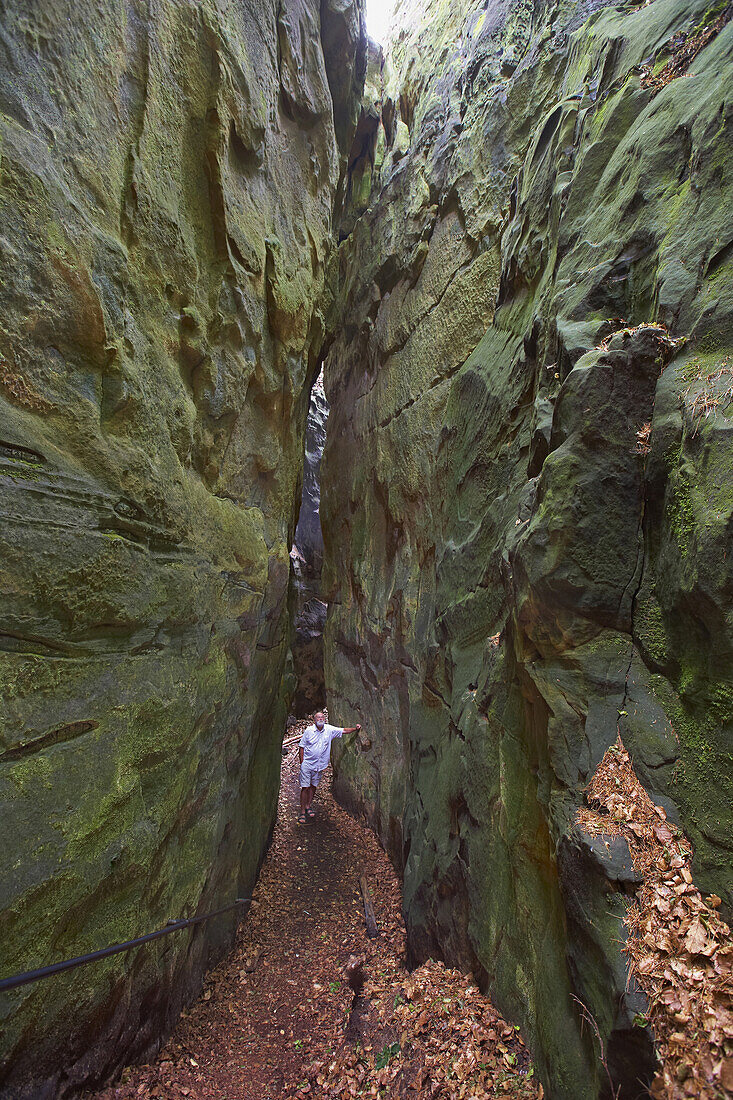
(346, 729)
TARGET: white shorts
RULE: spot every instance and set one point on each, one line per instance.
(309, 777)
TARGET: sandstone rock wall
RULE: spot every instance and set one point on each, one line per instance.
(527, 484)
(168, 175)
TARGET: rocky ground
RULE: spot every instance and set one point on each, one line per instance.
(308, 1005)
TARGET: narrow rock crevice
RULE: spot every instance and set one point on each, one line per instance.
(306, 562)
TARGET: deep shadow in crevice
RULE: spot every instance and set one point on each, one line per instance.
(308, 609)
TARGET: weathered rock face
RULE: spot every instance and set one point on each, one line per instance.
(167, 181)
(309, 613)
(527, 483)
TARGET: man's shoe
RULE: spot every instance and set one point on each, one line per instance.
(309, 813)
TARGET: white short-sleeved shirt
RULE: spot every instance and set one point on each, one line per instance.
(316, 746)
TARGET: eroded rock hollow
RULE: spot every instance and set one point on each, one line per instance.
(509, 237)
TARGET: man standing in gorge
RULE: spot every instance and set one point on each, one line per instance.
(315, 754)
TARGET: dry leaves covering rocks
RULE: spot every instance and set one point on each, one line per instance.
(682, 50)
(307, 1006)
(679, 948)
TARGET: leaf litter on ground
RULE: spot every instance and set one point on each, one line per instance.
(306, 1005)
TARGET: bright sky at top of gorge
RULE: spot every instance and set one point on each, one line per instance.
(378, 15)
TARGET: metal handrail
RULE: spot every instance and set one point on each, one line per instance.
(172, 926)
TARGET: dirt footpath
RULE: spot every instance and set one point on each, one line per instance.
(307, 1005)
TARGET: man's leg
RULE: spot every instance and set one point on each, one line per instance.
(314, 778)
(304, 788)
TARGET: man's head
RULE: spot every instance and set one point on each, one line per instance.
(320, 719)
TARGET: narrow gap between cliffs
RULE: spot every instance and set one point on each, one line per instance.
(306, 561)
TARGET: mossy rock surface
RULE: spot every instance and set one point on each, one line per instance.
(168, 178)
(527, 510)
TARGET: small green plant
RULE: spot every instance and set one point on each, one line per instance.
(386, 1055)
(298, 1044)
(640, 1020)
(398, 1000)
(334, 987)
